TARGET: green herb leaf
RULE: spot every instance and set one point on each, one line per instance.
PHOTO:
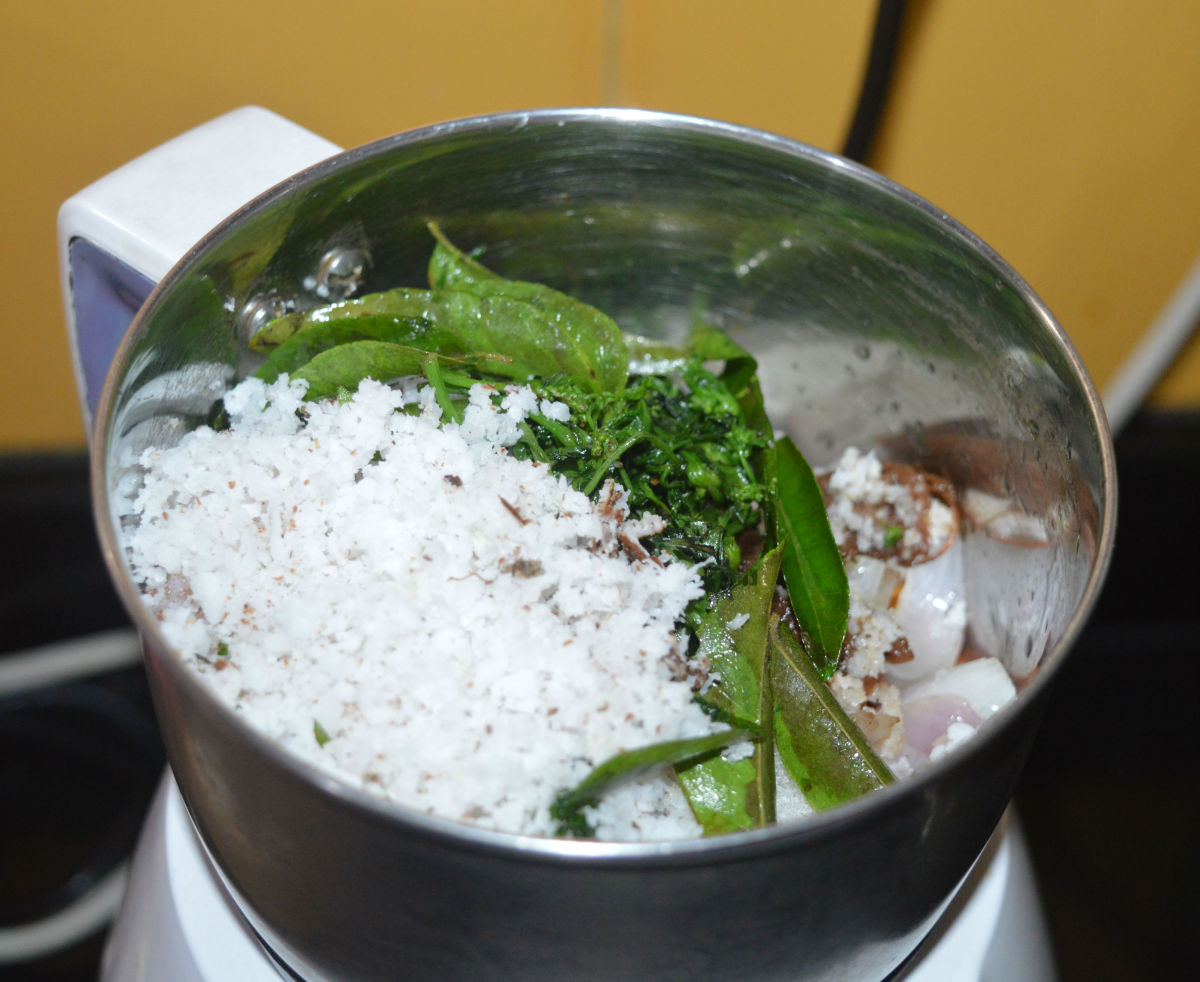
(520, 340)
(627, 766)
(400, 314)
(316, 336)
(585, 341)
(826, 754)
(320, 734)
(345, 366)
(719, 792)
(724, 794)
(812, 566)
(417, 321)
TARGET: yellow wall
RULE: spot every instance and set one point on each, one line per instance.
(1066, 134)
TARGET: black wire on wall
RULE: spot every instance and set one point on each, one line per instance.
(876, 81)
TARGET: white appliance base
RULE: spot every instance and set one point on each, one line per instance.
(178, 922)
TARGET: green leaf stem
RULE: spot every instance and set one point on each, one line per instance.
(568, 805)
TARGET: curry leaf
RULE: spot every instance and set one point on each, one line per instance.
(306, 343)
(468, 309)
(516, 328)
(710, 344)
(719, 792)
(826, 754)
(627, 766)
(586, 341)
(348, 364)
(728, 794)
(401, 304)
(812, 566)
(529, 339)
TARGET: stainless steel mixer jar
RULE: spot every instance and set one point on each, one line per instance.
(878, 321)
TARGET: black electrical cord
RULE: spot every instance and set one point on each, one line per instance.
(876, 80)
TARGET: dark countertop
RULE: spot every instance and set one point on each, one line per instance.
(1110, 799)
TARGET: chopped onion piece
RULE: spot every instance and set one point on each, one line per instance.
(983, 684)
(931, 611)
(929, 718)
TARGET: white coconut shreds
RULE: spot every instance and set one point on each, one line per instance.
(463, 626)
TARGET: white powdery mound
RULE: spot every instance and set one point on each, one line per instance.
(464, 626)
